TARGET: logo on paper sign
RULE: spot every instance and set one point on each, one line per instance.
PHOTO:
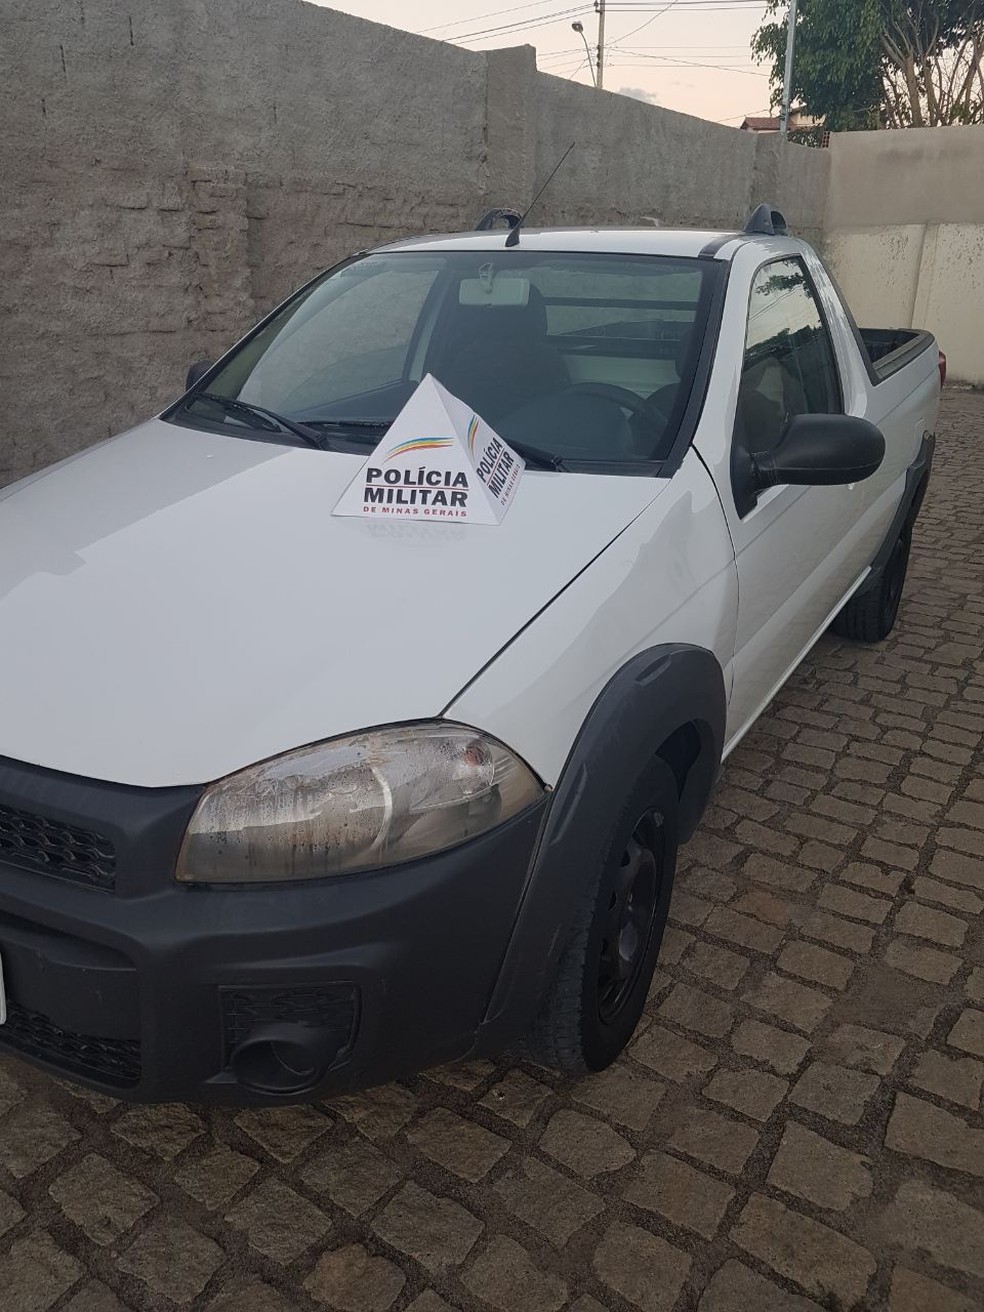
(419, 444)
(439, 461)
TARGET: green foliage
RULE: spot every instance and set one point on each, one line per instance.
(881, 63)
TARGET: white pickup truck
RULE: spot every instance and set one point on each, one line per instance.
(293, 802)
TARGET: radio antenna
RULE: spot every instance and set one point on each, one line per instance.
(513, 238)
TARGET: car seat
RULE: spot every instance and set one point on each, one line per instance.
(499, 358)
(770, 395)
(665, 398)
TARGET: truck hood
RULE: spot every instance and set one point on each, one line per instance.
(176, 605)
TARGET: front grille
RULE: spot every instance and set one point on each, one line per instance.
(331, 1007)
(111, 1061)
(58, 849)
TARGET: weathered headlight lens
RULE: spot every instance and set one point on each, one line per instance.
(357, 803)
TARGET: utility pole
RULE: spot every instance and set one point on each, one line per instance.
(787, 86)
(600, 79)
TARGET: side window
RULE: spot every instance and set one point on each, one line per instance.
(789, 367)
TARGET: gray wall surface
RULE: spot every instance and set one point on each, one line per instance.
(168, 174)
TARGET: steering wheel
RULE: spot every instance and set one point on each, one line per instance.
(651, 417)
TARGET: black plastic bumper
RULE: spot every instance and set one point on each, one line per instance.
(150, 990)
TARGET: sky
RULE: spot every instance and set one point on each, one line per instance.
(688, 55)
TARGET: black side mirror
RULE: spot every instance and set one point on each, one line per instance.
(196, 372)
(814, 451)
(821, 450)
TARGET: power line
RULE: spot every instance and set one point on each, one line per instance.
(686, 63)
(486, 27)
(736, 118)
(642, 6)
(697, 47)
(532, 21)
(493, 13)
(521, 25)
(659, 14)
(692, 6)
(697, 63)
(548, 56)
(683, 52)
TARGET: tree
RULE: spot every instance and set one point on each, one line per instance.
(881, 63)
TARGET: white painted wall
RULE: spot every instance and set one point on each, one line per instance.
(904, 234)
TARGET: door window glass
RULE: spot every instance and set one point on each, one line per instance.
(789, 367)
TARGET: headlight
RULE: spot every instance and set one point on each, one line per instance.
(373, 799)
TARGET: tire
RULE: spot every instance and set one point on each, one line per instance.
(594, 1003)
(870, 616)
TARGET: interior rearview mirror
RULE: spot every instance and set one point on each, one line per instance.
(196, 372)
(492, 289)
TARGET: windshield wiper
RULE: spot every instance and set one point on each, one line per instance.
(372, 426)
(277, 423)
(534, 456)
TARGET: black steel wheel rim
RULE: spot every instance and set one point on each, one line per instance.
(629, 916)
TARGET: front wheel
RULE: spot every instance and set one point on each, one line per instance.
(606, 968)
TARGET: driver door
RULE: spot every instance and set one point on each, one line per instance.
(798, 549)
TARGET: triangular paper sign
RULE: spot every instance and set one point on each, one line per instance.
(438, 463)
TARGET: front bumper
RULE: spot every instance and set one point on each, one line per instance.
(148, 990)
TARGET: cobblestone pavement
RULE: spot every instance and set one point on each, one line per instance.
(797, 1126)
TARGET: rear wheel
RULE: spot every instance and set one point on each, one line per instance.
(605, 971)
(871, 616)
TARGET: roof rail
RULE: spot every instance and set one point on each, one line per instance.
(492, 217)
(767, 222)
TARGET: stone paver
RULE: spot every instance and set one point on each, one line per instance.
(819, 1171)
(506, 1276)
(646, 1270)
(814, 1256)
(278, 1222)
(687, 1197)
(351, 1280)
(551, 1204)
(101, 1201)
(835, 1092)
(735, 1288)
(172, 1259)
(796, 1126)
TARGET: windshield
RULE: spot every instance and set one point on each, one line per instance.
(583, 357)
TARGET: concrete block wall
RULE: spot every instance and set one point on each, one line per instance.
(169, 173)
(634, 162)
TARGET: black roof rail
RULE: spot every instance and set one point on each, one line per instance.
(767, 222)
(491, 217)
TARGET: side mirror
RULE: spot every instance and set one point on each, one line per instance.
(196, 372)
(814, 451)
